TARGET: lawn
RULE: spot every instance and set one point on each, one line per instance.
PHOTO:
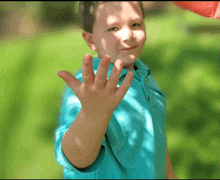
(183, 58)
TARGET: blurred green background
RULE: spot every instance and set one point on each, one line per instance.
(182, 50)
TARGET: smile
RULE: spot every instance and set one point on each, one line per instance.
(129, 48)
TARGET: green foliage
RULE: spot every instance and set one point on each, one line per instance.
(184, 65)
(59, 13)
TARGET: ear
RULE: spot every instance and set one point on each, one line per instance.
(88, 37)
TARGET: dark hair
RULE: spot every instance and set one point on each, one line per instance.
(87, 11)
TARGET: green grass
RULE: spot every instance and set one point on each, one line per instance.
(184, 65)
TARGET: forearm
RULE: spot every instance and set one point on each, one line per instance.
(169, 171)
(82, 141)
(171, 176)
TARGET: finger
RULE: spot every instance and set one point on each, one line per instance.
(122, 90)
(87, 70)
(114, 76)
(70, 80)
(101, 75)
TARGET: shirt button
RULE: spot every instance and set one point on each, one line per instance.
(148, 99)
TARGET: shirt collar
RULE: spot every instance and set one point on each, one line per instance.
(141, 73)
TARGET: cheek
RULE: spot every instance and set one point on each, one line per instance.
(112, 41)
(104, 43)
(112, 45)
(142, 38)
(108, 42)
(109, 45)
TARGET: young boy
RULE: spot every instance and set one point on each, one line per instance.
(112, 117)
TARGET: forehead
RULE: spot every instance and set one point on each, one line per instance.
(118, 10)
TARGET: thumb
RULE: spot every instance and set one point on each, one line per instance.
(70, 80)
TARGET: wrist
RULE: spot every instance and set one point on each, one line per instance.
(90, 114)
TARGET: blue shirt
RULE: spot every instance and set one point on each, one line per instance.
(134, 145)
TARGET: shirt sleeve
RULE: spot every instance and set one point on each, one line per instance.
(69, 109)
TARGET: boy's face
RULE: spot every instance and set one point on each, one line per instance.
(127, 31)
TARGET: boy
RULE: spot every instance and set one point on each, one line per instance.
(112, 118)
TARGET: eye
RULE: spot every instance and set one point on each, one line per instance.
(111, 29)
(137, 24)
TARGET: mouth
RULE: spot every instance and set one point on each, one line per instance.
(131, 48)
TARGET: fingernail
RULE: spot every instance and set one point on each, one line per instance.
(131, 74)
(58, 74)
(106, 57)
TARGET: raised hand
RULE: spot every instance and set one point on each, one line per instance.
(96, 93)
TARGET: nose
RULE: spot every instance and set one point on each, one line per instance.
(127, 34)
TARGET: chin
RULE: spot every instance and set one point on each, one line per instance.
(129, 58)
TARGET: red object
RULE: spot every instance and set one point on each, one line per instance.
(209, 9)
